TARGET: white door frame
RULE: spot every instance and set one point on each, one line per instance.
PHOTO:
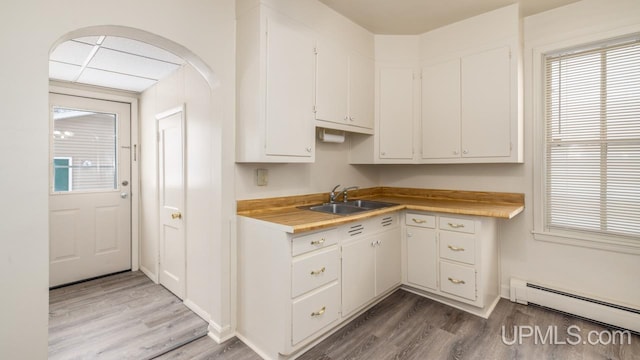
(135, 165)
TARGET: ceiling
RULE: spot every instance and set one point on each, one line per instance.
(404, 17)
(112, 62)
(125, 64)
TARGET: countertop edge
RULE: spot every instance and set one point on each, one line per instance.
(509, 212)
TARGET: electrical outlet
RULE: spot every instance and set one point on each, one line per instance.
(262, 177)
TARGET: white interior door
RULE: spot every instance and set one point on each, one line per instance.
(89, 201)
(171, 188)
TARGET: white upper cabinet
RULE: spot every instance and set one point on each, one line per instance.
(344, 89)
(395, 116)
(361, 82)
(486, 104)
(471, 93)
(469, 97)
(275, 88)
(332, 83)
(466, 108)
(441, 110)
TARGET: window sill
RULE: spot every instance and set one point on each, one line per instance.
(614, 244)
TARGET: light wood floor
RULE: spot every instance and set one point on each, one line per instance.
(403, 326)
(124, 316)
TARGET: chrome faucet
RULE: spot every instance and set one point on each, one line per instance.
(345, 192)
(333, 195)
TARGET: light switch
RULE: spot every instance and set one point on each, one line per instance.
(262, 176)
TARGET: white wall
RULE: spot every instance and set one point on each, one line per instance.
(30, 29)
(202, 171)
(601, 274)
(330, 169)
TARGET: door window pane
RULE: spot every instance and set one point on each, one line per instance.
(88, 142)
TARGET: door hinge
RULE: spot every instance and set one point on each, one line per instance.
(315, 51)
(313, 109)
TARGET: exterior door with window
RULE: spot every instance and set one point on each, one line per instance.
(90, 200)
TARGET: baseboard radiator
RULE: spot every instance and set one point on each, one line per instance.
(603, 312)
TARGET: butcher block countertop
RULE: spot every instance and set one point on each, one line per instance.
(285, 212)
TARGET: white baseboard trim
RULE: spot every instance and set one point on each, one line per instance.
(219, 333)
(197, 309)
(149, 274)
(524, 292)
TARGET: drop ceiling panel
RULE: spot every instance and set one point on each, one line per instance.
(114, 80)
(91, 40)
(126, 63)
(140, 48)
(62, 71)
(71, 52)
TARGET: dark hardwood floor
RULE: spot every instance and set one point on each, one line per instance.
(408, 326)
(403, 326)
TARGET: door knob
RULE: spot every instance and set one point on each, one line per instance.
(123, 195)
(176, 215)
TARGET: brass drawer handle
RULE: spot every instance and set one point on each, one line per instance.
(457, 281)
(319, 312)
(418, 221)
(455, 248)
(176, 215)
(318, 242)
(456, 226)
(318, 272)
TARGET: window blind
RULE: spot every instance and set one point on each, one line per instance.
(592, 142)
(89, 140)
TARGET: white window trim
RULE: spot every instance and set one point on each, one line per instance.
(620, 244)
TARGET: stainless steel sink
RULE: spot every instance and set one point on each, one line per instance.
(337, 208)
(368, 204)
(350, 207)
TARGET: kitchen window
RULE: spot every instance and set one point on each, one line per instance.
(590, 188)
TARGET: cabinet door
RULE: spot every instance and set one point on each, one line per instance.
(331, 83)
(486, 102)
(361, 82)
(388, 260)
(396, 113)
(441, 110)
(358, 283)
(422, 257)
(290, 67)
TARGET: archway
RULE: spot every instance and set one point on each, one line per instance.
(201, 68)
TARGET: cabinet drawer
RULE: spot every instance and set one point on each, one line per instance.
(427, 221)
(313, 312)
(315, 270)
(318, 240)
(458, 280)
(458, 247)
(457, 224)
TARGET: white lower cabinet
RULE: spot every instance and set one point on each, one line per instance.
(422, 261)
(453, 259)
(295, 288)
(314, 312)
(358, 267)
(371, 257)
